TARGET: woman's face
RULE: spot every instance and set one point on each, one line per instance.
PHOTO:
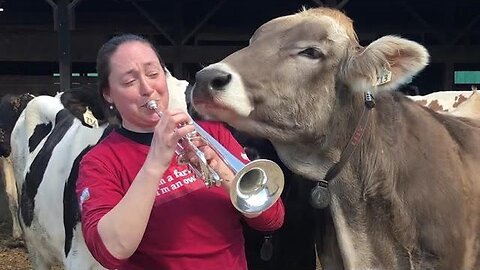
(136, 77)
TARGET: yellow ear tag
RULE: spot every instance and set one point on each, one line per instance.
(90, 119)
(384, 77)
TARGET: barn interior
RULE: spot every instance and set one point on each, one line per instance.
(50, 45)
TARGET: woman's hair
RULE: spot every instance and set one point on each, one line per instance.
(106, 52)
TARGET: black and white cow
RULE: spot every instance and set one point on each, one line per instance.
(46, 143)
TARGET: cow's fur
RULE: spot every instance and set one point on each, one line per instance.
(8, 178)
(443, 101)
(409, 196)
(47, 143)
(470, 108)
(10, 109)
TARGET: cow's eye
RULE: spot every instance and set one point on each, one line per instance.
(311, 53)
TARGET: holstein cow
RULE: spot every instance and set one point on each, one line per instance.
(10, 109)
(48, 142)
(458, 103)
(443, 101)
(402, 182)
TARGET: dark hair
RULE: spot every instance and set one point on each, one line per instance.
(106, 52)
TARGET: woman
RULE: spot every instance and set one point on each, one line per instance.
(140, 209)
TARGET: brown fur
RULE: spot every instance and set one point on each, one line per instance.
(336, 15)
(435, 106)
(459, 100)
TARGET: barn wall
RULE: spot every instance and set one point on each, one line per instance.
(191, 34)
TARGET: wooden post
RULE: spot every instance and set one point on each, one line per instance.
(63, 20)
(448, 76)
(64, 44)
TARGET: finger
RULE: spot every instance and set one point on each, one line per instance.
(170, 128)
(181, 118)
(183, 114)
(198, 142)
(214, 164)
(190, 156)
(208, 152)
(174, 119)
(182, 131)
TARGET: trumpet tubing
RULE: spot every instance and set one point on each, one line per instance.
(256, 186)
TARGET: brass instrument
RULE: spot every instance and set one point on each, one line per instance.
(256, 185)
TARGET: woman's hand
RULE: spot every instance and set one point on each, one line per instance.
(213, 160)
(173, 125)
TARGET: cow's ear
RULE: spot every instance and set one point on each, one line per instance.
(385, 64)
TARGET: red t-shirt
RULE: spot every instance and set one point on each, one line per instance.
(190, 226)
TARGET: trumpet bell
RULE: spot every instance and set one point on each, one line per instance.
(257, 186)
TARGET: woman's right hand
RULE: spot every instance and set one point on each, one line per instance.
(172, 126)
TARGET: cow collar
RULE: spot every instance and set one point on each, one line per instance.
(320, 196)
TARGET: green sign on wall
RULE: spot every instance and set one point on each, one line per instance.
(467, 77)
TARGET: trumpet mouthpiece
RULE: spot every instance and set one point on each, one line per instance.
(152, 104)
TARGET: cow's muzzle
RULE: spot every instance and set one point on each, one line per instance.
(212, 79)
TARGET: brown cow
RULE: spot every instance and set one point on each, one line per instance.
(408, 195)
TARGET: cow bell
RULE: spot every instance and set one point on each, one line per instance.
(320, 195)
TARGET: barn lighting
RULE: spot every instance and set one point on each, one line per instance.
(1, 9)
(73, 74)
(76, 74)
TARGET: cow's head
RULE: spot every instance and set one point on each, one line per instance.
(296, 71)
(11, 106)
(79, 99)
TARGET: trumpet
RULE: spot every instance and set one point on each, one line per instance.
(256, 186)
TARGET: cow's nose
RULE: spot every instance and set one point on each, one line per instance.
(215, 79)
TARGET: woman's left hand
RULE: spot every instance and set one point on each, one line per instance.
(213, 160)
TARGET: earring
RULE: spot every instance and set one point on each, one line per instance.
(110, 107)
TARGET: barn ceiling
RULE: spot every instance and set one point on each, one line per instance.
(191, 33)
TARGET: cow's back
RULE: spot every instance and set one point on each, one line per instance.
(435, 195)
